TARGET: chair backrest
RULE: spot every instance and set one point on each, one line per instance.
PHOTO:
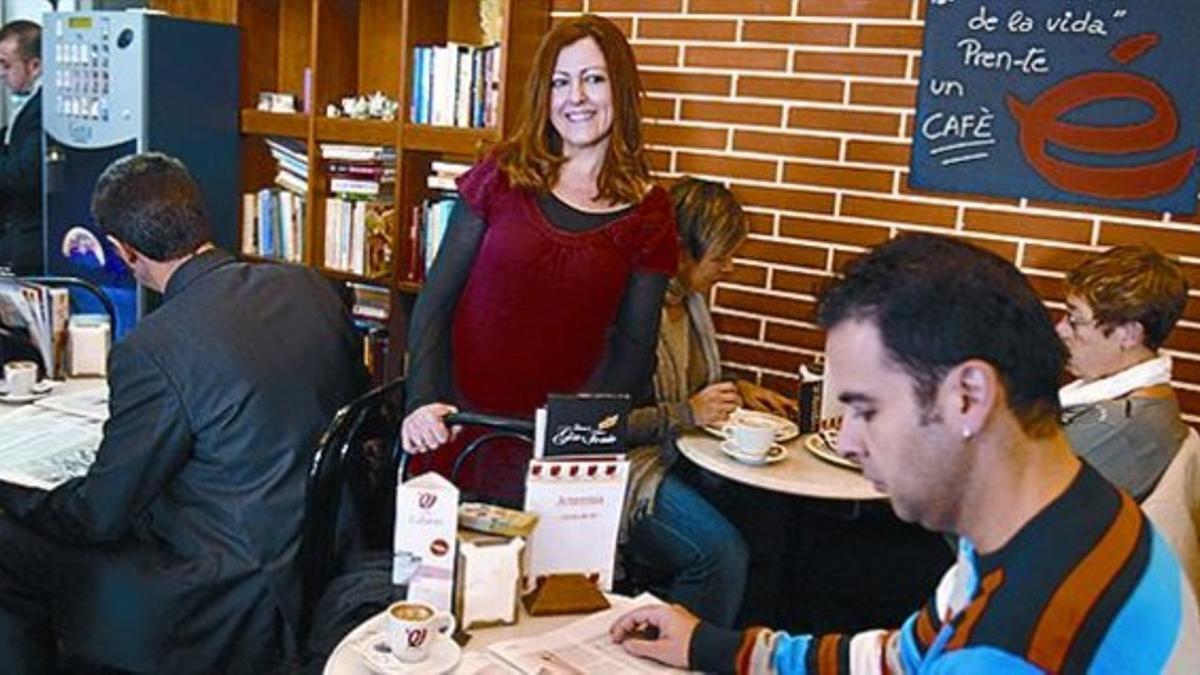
(84, 285)
(500, 428)
(1174, 507)
(353, 458)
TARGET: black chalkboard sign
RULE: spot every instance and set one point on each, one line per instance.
(1091, 101)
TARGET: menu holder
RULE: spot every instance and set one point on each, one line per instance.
(578, 505)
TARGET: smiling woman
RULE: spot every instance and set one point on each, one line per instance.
(581, 97)
(553, 268)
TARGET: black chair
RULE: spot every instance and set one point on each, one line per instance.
(499, 428)
(350, 510)
(354, 462)
(82, 284)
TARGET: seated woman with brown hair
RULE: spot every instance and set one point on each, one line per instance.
(1121, 415)
(672, 529)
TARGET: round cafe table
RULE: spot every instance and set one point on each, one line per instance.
(815, 531)
(800, 473)
(345, 660)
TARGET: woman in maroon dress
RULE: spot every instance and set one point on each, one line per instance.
(552, 273)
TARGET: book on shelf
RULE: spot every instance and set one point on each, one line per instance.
(273, 224)
(426, 231)
(371, 302)
(363, 187)
(429, 219)
(360, 215)
(443, 175)
(358, 153)
(370, 313)
(358, 235)
(273, 217)
(363, 170)
(455, 85)
(289, 151)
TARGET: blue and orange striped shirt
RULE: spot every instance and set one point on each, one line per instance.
(1087, 585)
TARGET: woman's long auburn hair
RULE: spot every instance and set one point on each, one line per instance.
(532, 157)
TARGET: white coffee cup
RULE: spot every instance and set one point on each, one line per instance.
(20, 377)
(413, 627)
(752, 436)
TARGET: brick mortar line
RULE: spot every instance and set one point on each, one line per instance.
(765, 18)
(821, 76)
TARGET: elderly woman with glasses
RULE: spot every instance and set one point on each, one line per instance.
(1121, 415)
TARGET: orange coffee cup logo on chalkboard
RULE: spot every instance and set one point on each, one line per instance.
(1041, 124)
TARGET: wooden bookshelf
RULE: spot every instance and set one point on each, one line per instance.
(345, 130)
(258, 123)
(330, 49)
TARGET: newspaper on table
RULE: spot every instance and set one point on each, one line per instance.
(582, 647)
(45, 444)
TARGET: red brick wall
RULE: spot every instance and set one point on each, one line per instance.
(805, 107)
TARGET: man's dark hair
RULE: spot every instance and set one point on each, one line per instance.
(938, 302)
(28, 36)
(151, 203)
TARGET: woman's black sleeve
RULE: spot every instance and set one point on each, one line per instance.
(430, 375)
(628, 362)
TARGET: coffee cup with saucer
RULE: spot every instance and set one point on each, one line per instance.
(414, 638)
(442, 656)
(774, 453)
(20, 383)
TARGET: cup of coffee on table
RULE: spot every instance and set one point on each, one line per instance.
(752, 436)
(413, 627)
(20, 377)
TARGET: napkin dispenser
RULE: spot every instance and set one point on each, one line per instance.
(88, 338)
(487, 579)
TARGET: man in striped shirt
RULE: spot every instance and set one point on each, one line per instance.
(948, 366)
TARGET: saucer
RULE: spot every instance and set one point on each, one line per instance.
(369, 643)
(785, 429)
(822, 446)
(40, 390)
(777, 453)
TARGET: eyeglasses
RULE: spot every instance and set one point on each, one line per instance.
(1077, 322)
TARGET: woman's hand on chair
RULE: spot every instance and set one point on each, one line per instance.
(713, 404)
(761, 398)
(425, 428)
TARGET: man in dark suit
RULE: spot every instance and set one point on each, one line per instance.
(177, 551)
(21, 156)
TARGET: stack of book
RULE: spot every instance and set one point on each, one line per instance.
(430, 218)
(360, 214)
(455, 85)
(370, 312)
(371, 303)
(273, 217)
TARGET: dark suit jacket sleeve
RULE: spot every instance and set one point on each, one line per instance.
(146, 439)
(21, 166)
